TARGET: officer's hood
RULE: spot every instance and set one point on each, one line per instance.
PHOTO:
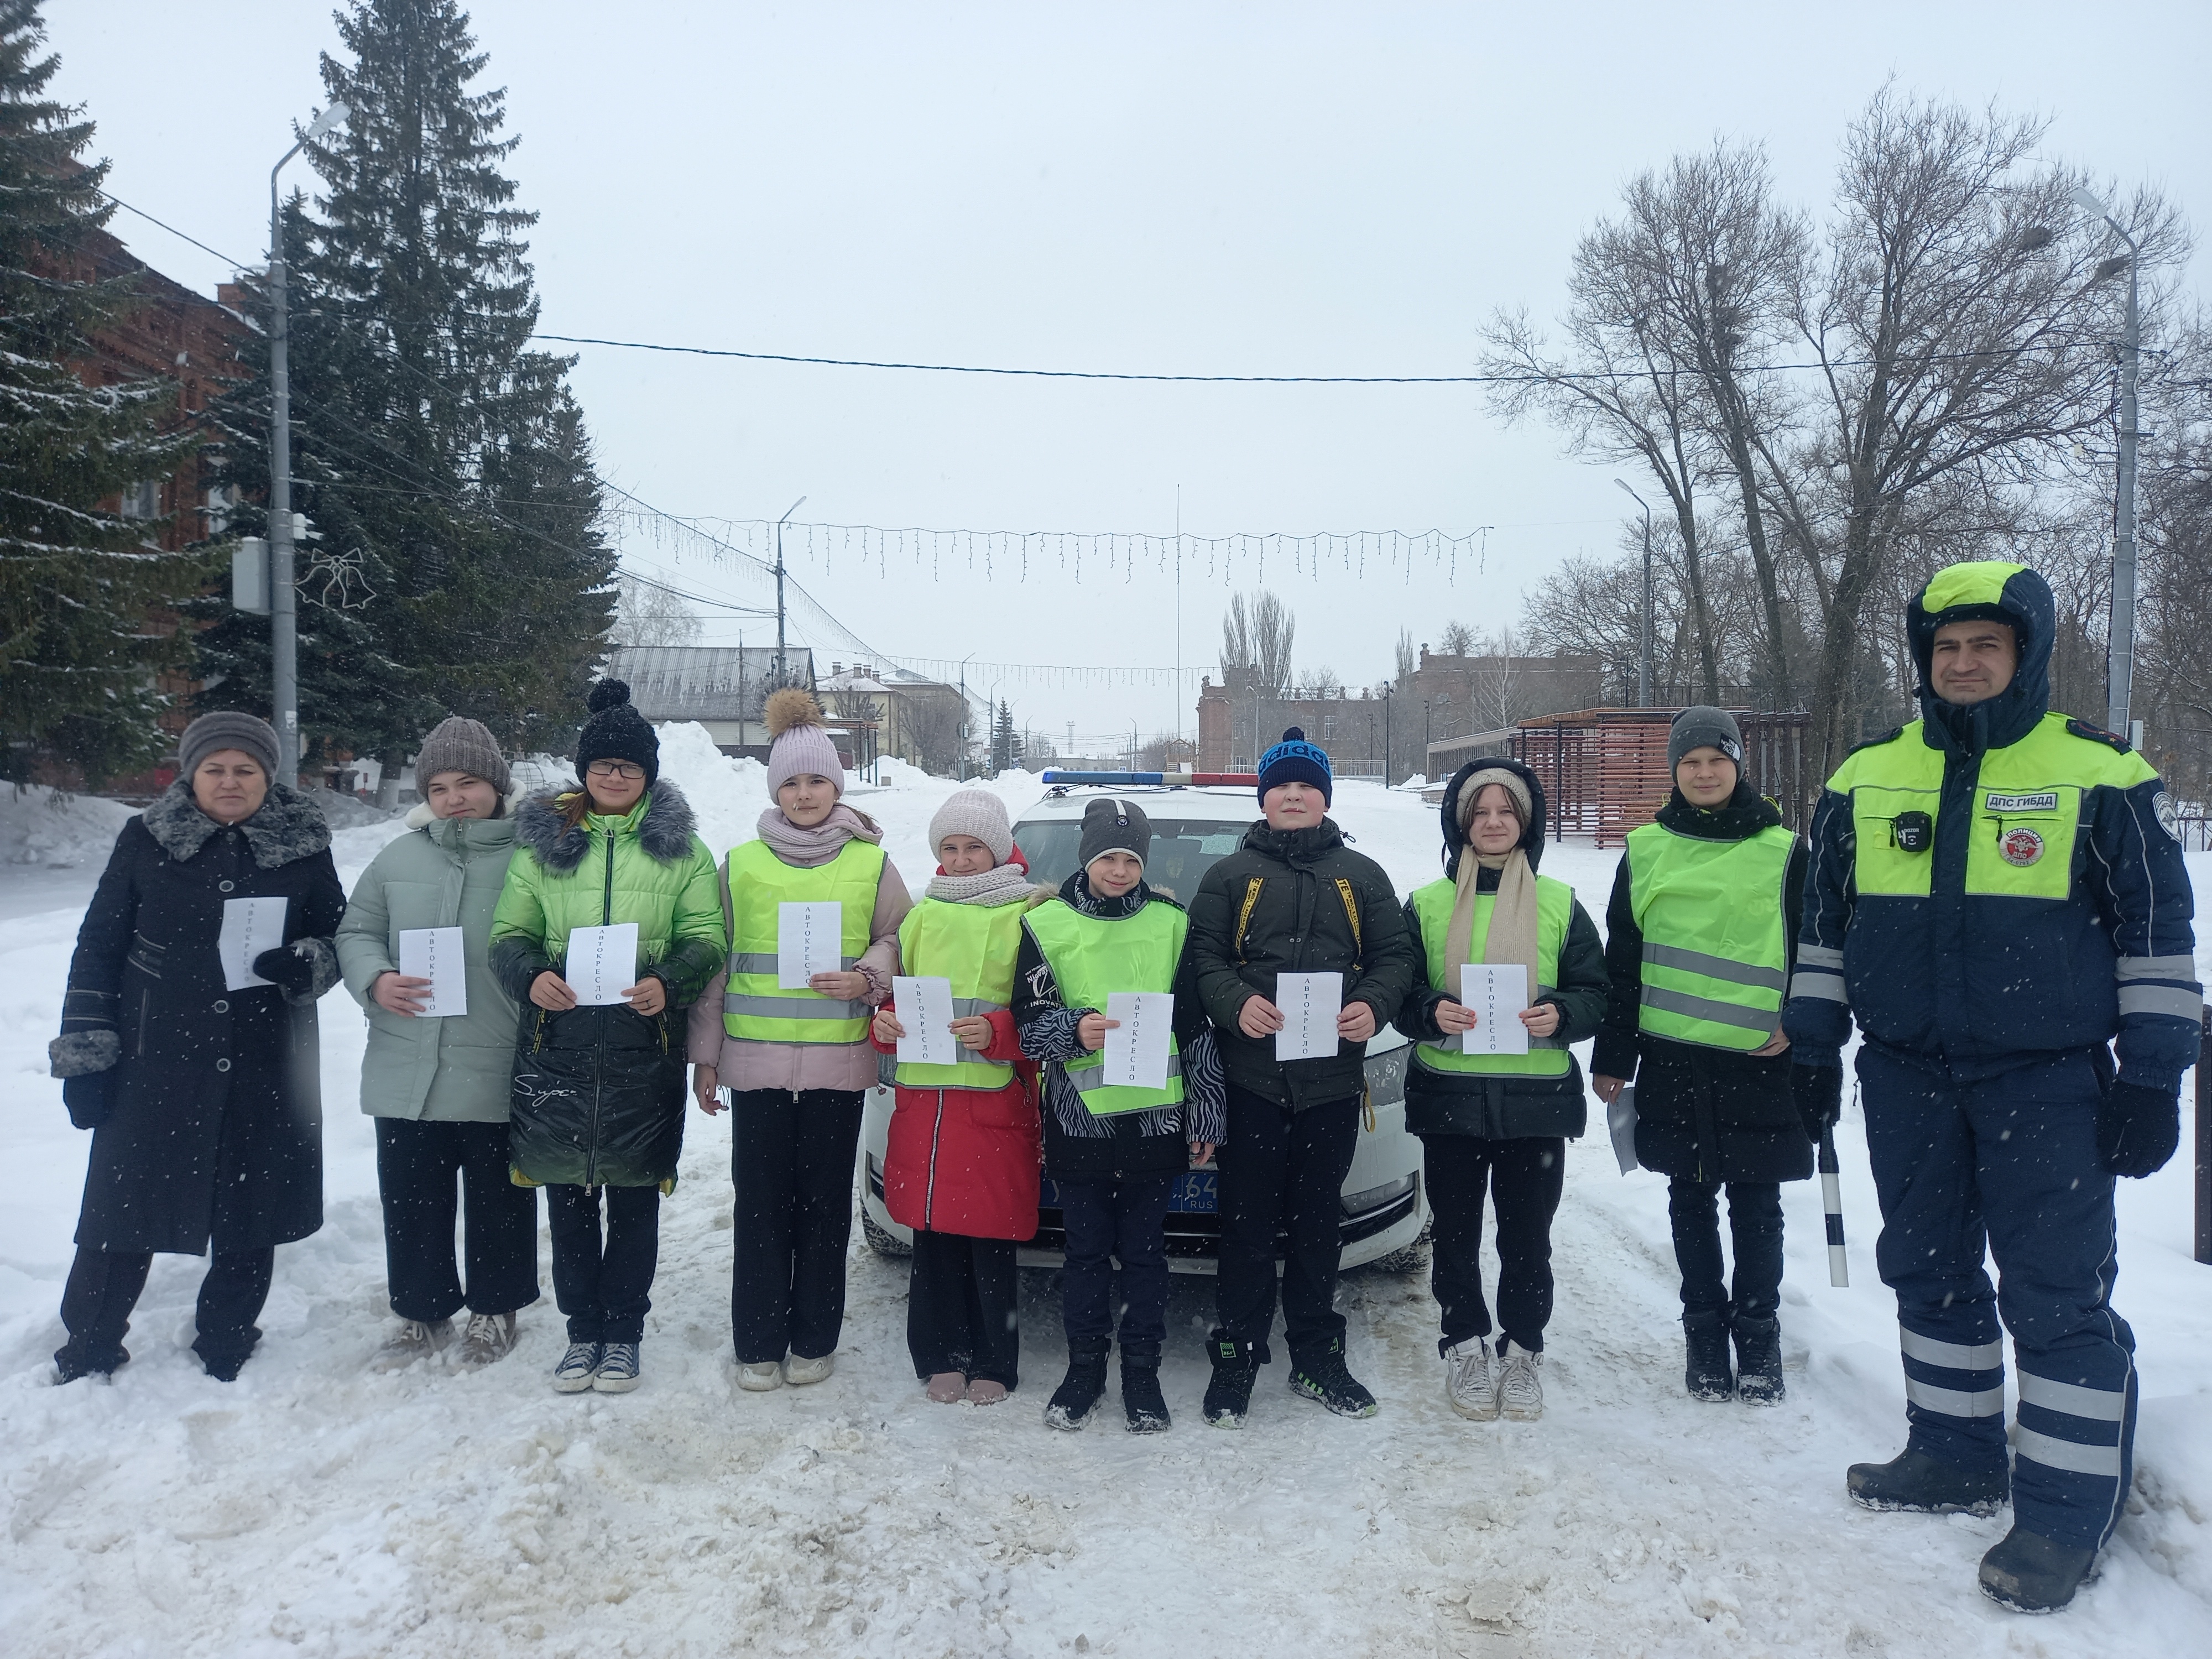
(1986, 589)
(1532, 838)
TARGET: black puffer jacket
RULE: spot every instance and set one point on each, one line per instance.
(1710, 1113)
(1297, 921)
(1503, 1108)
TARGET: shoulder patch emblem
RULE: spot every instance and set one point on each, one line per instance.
(2020, 846)
(2169, 815)
(2098, 734)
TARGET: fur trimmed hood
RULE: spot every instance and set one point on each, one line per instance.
(289, 826)
(663, 830)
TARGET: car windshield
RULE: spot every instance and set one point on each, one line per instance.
(1183, 849)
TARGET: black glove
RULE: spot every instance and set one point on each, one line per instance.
(2137, 1128)
(90, 1097)
(1817, 1091)
(286, 969)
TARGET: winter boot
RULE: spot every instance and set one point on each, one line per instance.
(2030, 1573)
(488, 1337)
(618, 1370)
(1322, 1377)
(1913, 1480)
(1079, 1392)
(1520, 1388)
(70, 1363)
(1705, 1333)
(416, 1339)
(1467, 1384)
(1229, 1395)
(1758, 1361)
(1142, 1402)
(578, 1367)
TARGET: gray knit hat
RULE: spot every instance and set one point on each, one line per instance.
(1115, 826)
(456, 745)
(1701, 728)
(228, 728)
(977, 812)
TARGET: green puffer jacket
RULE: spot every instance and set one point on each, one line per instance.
(598, 1092)
(443, 873)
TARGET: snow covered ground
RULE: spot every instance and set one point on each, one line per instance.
(313, 1509)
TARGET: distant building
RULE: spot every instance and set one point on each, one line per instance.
(721, 687)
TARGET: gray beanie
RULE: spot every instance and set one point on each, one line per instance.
(1704, 728)
(977, 812)
(456, 745)
(229, 728)
(1115, 826)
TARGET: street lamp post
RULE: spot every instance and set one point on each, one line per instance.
(2120, 662)
(783, 668)
(962, 763)
(284, 593)
(1644, 650)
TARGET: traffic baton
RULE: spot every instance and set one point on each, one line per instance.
(1831, 1200)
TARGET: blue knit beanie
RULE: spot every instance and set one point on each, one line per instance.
(1295, 761)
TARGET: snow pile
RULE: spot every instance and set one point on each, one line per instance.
(50, 828)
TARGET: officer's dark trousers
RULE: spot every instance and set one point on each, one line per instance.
(791, 1163)
(417, 1167)
(1283, 1170)
(2011, 1163)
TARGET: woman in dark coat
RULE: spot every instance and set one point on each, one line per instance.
(202, 1090)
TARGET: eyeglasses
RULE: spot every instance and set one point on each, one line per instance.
(622, 769)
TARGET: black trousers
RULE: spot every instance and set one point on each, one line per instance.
(104, 1286)
(1524, 1179)
(963, 1307)
(1754, 1220)
(416, 1165)
(1107, 1221)
(604, 1284)
(1282, 1171)
(791, 1162)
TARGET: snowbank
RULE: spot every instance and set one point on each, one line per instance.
(46, 827)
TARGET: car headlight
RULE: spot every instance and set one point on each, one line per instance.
(1374, 1198)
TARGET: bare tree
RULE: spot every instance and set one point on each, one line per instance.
(1456, 640)
(1321, 682)
(1257, 636)
(645, 613)
(1406, 659)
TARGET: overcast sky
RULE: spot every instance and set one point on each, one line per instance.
(1203, 189)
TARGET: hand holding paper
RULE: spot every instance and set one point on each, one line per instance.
(808, 941)
(1137, 1041)
(250, 927)
(1310, 1004)
(435, 954)
(1495, 993)
(923, 1006)
(602, 963)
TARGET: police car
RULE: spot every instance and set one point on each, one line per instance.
(1196, 818)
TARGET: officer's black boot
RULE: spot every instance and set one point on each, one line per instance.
(1229, 1395)
(1706, 1334)
(1758, 1361)
(1927, 1485)
(1083, 1387)
(1142, 1402)
(2030, 1573)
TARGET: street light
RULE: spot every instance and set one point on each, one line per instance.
(962, 763)
(2120, 663)
(782, 669)
(1644, 654)
(283, 595)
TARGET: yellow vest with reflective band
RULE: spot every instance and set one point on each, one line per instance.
(1555, 909)
(1092, 957)
(2027, 806)
(755, 1009)
(973, 945)
(1716, 945)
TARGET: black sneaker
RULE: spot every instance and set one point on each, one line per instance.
(1921, 1485)
(1079, 1392)
(1322, 1377)
(2030, 1573)
(1705, 1337)
(1758, 1361)
(1229, 1395)
(1142, 1402)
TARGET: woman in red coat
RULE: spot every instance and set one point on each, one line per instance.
(962, 1162)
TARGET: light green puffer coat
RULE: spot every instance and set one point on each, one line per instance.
(443, 873)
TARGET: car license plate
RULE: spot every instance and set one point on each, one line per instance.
(1198, 1193)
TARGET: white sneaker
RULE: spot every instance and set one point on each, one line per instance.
(799, 1372)
(416, 1339)
(759, 1379)
(489, 1336)
(1467, 1382)
(1520, 1390)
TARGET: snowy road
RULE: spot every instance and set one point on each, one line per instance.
(313, 1509)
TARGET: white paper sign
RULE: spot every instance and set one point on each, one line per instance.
(249, 926)
(1495, 993)
(1137, 1049)
(1620, 1123)
(807, 941)
(602, 963)
(435, 954)
(922, 1004)
(1311, 1003)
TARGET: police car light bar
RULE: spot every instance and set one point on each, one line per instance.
(1249, 779)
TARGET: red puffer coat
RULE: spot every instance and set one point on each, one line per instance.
(966, 1160)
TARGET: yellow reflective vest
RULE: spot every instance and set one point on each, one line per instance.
(1090, 958)
(974, 946)
(755, 1008)
(1555, 911)
(1716, 936)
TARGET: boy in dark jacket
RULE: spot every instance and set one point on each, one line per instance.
(1496, 1123)
(1293, 899)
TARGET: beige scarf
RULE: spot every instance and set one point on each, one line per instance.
(1512, 936)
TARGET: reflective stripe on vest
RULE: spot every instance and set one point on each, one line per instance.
(974, 947)
(1092, 957)
(1555, 909)
(755, 1008)
(1716, 945)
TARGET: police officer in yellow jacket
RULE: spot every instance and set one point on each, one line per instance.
(1996, 895)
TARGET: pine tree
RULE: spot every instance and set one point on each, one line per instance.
(80, 585)
(1005, 741)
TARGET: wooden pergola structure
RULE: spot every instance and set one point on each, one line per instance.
(1605, 772)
